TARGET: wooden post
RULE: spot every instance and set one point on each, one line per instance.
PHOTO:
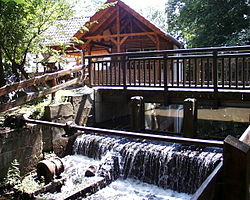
(236, 169)
(165, 79)
(90, 72)
(118, 30)
(215, 76)
(137, 113)
(190, 118)
(124, 72)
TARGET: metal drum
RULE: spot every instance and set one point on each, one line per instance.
(49, 169)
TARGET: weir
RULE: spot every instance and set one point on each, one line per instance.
(174, 169)
(182, 165)
(171, 166)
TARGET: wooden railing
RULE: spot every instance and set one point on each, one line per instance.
(79, 73)
(201, 68)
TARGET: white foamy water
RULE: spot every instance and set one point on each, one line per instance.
(131, 189)
(121, 189)
(74, 172)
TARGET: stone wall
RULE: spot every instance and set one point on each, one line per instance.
(24, 144)
(53, 138)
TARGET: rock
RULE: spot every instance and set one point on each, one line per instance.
(91, 171)
(61, 113)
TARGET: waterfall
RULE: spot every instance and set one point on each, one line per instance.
(170, 166)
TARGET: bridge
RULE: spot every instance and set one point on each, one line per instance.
(214, 76)
(218, 74)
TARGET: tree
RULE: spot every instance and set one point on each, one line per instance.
(156, 16)
(210, 22)
(22, 26)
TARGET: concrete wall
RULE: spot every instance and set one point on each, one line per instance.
(24, 144)
(110, 107)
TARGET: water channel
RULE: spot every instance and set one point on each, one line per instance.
(136, 169)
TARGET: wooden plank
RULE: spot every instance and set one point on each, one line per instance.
(236, 165)
(26, 99)
(206, 190)
(39, 79)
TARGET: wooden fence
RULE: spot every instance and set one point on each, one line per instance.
(202, 68)
(80, 76)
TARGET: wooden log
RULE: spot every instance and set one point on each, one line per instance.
(39, 79)
(236, 169)
(26, 99)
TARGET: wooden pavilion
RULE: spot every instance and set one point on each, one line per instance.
(115, 29)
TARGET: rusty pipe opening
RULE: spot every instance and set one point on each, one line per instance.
(49, 169)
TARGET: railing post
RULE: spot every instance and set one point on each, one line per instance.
(165, 71)
(90, 71)
(215, 71)
(123, 62)
(215, 76)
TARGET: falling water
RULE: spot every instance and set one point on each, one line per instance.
(169, 166)
(136, 169)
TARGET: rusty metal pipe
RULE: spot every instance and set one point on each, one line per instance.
(181, 140)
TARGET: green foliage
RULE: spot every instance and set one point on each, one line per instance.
(210, 22)
(156, 16)
(13, 177)
(17, 1)
(14, 187)
(29, 184)
(22, 26)
(37, 113)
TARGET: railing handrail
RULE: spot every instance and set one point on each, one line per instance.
(38, 79)
(175, 51)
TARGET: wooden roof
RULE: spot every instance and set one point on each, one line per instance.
(113, 28)
(102, 16)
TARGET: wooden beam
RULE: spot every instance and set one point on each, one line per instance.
(143, 29)
(118, 30)
(142, 19)
(123, 40)
(39, 79)
(96, 17)
(26, 99)
(158, 47)
(114, 41)
(107, 24)
(101, 44)
(125, 24)
(121, 35)
(100, 22)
